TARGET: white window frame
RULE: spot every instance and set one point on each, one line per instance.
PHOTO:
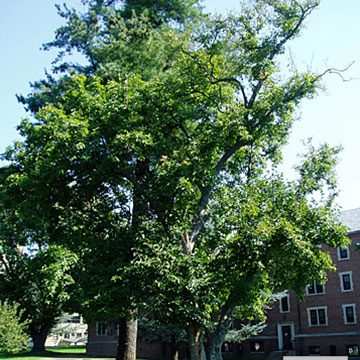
(97, 328)
(344, 306)
(342, 282)
(288, 301)
(316, 293)
(348, 253)
(317, 308)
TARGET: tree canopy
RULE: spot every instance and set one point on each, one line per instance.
(159, 158)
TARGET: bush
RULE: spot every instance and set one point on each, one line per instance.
(13, 336)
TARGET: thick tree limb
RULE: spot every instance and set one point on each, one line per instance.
(142, 191)
(202, 217)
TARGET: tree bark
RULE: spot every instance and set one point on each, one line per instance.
(39, 339)
(174, 350)
(213, 347)
(216, 338)
(195, 341)
(126, 348)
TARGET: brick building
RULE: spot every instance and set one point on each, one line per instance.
(102, 341)
(326, 323)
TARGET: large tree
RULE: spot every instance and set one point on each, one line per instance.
(163, 146)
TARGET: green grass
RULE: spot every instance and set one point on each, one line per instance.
(65, 352)
(68, 349)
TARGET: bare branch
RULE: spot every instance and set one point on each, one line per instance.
(338, 72)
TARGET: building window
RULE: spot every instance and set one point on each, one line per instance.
(343, 253)
(346, 281)
(315, 288)
(317, 316)
(314, 350)
(227, 347)
(285, 304)
(101, 328)
(352, 350)
(75, 319)
(257, 346)
(349, 314)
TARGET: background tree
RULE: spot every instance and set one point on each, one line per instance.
(13, 332)
(178, 149)
(36, 276)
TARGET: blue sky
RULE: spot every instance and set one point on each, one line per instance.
(331, 39)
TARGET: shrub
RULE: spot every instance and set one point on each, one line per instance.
(13, 336)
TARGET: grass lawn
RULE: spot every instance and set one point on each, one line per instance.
(67, 349)
(66, 352)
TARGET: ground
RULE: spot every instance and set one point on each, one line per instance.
(63, 352)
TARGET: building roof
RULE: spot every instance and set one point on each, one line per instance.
(351, 219)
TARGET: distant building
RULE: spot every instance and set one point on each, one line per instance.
(71, 331)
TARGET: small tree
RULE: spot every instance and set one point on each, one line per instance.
(13, 331)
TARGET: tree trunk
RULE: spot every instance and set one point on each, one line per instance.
(39, 339)
(195, 341)
(213, 347)
(174, 350)
(216, 338)
(126, 348)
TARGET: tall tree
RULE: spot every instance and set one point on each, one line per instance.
(114, 41)
(176, 144)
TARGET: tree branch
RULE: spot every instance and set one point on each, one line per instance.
(202, 216)
(5, 264)
(142, 191)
